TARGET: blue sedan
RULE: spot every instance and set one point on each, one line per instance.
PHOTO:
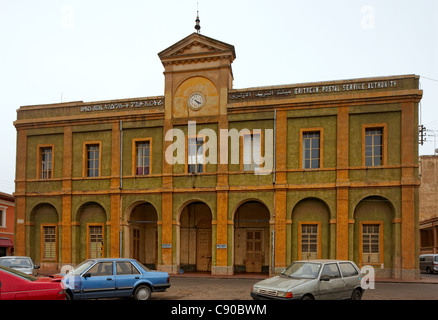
(112, 278)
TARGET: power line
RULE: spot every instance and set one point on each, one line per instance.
(429, 78)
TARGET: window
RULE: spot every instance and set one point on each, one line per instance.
(309, 241)
(371, 243)
(311, 150)
(348, 270)
(101, 269)
(125, 268)
(195, 159)
(331, 270)
(46, 162)
(49, 242)
(95, 241)
(92, 160)
(252, 153)
(143, 157)
(2, 218)
(373, 147)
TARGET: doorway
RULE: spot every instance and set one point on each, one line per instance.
(195, 238)
(144, 234)
(252, 238)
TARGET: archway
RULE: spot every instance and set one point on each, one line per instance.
(373, 232)
(251, 237)
(310, 230)
(44, 234)
(92, 231)
(195, 237)
(143, 230)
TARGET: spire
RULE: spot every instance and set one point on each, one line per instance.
(198, 26)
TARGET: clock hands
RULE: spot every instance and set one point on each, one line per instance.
(196, 101)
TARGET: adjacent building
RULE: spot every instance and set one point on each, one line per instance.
(7, 223)
(209, 178)
(428, 204)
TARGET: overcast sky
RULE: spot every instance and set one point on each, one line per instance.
(53, 51)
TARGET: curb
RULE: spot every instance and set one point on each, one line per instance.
(234, 277)
(406, 281)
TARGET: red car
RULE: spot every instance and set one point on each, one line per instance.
(16, 285)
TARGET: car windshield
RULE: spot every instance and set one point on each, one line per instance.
(436, 258)
(83, 266)
(18, 273)
(15, 262)
(302, 270)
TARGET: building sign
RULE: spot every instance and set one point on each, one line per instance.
(318, 89)
(124, 105)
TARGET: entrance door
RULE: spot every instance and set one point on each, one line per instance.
(203, 254)
(254, 250)
(136, 244)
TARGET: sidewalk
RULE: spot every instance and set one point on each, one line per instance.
(422, 279)
(255, 276)
(426, 279)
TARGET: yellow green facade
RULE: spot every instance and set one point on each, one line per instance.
(224, 220)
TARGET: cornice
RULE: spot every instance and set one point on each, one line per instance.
(326, 101)
(190, 59)
(88, 119)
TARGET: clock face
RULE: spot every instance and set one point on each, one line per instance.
(196, 101)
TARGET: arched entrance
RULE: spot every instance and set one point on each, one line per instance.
(195, 237)
(251, 238)
(310, 230)
(44, 234)
(373, 232)
(91, 235)
(143, 232)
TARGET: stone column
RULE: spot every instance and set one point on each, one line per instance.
(115, 191)
(20, 194)
(67, 165)
(342, 183)
(280, 191)
(408, 182)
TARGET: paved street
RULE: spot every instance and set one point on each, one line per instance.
(209, 288)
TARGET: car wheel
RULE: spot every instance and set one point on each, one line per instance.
(428, 270)
(307, 297)
(356, 295)
(142, 293)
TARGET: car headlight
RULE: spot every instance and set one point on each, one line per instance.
(285, 294)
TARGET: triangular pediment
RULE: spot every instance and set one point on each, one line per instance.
(197, 46)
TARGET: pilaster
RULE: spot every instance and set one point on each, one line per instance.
(66, 244)
(342, 183)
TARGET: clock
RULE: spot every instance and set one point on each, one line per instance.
(196, 101)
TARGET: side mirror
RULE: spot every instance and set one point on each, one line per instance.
(324, 278)
(36, 267)
(86, 275)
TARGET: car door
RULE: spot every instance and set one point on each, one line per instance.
(98, 281)
(351, 278)
(126, 277)
(331, 284)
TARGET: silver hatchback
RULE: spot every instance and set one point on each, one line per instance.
(23, 264)
(313, 279)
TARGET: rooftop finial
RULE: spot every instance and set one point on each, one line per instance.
(198, 26)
